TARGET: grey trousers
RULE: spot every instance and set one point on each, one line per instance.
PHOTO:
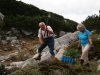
(84, 55)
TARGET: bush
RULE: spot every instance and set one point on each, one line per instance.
(2, 69)
(71, 52)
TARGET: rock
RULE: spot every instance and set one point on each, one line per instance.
(61, 33)
(98, 60)
(1, 16)
(8, 67)
(98, 69)
(17, 64)
(59, 54)
(26, 32)
(2, 57)
(8, 56)
(11, 38)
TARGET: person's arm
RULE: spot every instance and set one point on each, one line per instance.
(40, 36)
(91, 43)
(49, 29)
(90, 40)
(40, 40)
(79, 43)
(89, 36)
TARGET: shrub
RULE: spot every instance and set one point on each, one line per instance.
(2, 69)
(71, 52)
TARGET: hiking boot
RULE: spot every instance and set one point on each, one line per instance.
(87, 65)
(81, 62)
(88, 69)
(38, 57)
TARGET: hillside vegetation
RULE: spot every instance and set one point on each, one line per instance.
(25, 16)
(56, 67)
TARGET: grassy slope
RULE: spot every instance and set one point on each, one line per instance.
(56, 67)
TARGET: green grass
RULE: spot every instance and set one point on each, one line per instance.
(56, 67)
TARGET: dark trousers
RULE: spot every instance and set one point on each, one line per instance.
(48, 42)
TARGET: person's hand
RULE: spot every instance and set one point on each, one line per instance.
(79, 47)
(91, 46)
(41, 42)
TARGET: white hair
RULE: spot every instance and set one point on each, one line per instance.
(81, 26)
(41, 23)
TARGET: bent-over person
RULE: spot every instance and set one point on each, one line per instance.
(45, 35)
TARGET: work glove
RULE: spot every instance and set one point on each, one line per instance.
(79, 47)
(91, 46)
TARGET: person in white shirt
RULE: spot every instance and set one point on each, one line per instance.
(45, 35)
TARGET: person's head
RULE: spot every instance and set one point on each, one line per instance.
(81, 27)
(42, 25)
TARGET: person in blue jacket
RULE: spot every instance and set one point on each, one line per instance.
(85, 43)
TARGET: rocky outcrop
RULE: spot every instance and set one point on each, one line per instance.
(60, 43)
